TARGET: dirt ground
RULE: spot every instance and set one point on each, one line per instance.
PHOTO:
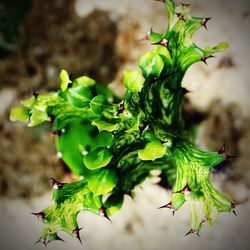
(100, 39)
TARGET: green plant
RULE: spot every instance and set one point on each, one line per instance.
(115, 144)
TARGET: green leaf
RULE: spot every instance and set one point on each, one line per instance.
(133, 80)
(28, 102)
(64, 77)
(152, 151)
(85, 81)
(114, 203)
(154, 37)
(103, 181)
(218, 48)
(97, 104)
(38, 116)
(98, 158)
(18, 114)
(77, 136)
(164, 53)
(79, 96)
(151, 65)
(92, 202)
(102, 125)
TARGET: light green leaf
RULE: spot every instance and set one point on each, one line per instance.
(151, 65)
(154, 37)
(64, 77)
(18, 114)
(218, 48)
(102, 125)
(98, 158)
(28, 102)
(85, 81)
(38, 116)
(164, 53)
(103, 181)
(152, 151)
(133, 80)
(92, 203)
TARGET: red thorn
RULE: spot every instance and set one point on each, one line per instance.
(204, 22)
(169, 205)
(40, 215)
(180, 16)
(186, 190)
(163, 42)
(56, 184)
(76, 233)
(145, 38)
(222, 150)
(121, 108)
(191, 231)
(103, 213)
(234, 204)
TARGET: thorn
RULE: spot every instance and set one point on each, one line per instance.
(121, 108)
(58, 238)
(204, 58)
(55, 184)
(204, 22)
(197, 233)
(169, 205)
(40, 215)
(203, 221)
(191, 231)
(163, 42)
(185, 91)
(163, 1)
(76, 233)
(180, 16)
(186, 190)
(185, 4)
(222, 150)
(145, 38)
(173, 212)
(234, 205)
(234, 212)
(103, 213)
(41, 240)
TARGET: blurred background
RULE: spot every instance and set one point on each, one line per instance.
(101, 39)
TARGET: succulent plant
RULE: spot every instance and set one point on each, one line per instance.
(112, 145)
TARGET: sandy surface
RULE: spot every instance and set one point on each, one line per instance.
(138, 226)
